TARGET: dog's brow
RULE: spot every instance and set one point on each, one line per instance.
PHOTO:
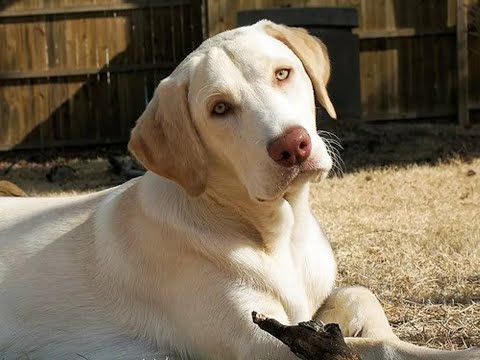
(241, 67)
(210, 88)
(209, 91)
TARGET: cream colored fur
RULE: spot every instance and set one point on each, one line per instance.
(173, 263)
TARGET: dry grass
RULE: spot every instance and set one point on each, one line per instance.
(410, 233)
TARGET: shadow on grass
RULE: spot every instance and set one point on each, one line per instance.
(404, 143)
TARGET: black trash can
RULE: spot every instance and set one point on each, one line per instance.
(334, 27)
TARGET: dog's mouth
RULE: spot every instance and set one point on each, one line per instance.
(290, 177)
(307, 171)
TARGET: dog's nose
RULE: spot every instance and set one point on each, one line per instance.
(291, 148)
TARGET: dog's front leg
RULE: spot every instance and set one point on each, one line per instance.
(365, 325)
(215, 322)
(358, 312)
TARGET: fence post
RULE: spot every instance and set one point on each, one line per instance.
(462, 63)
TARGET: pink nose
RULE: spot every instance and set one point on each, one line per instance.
(291, 148)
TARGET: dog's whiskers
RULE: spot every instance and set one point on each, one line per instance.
(327, 135)
(332, 144)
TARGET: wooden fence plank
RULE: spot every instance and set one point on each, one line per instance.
(82, 10)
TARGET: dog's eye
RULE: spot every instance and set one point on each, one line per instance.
(220, 108)
(282, 74)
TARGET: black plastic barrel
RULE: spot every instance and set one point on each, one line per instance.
(334, 27)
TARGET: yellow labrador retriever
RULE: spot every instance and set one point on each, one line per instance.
(173, 263)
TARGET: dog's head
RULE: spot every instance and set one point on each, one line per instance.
(241, 104)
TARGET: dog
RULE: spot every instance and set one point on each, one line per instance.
(220, 224)
(8, 188)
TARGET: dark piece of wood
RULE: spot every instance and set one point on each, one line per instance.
(462, 63)
(404, 32)
(125, 166)
(8, 188)
(60, 173)
(309, 340)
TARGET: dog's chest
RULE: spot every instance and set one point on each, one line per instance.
(302, 271)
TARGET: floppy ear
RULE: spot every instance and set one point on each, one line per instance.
(166, 142)
(313, 54)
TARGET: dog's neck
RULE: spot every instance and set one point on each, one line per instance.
(269, 222)
(273, 221)
(265, 223)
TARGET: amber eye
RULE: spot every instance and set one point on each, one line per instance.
(220, 108)
(282, 74)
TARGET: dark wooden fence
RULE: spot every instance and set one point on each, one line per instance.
(80, 71)
(413, 63)
(75, 72)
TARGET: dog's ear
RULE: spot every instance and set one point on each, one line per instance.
(313, 54)
(165, 140)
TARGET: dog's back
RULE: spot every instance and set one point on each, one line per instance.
(46, 294)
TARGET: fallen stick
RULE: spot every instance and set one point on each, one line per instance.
(309, 340)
